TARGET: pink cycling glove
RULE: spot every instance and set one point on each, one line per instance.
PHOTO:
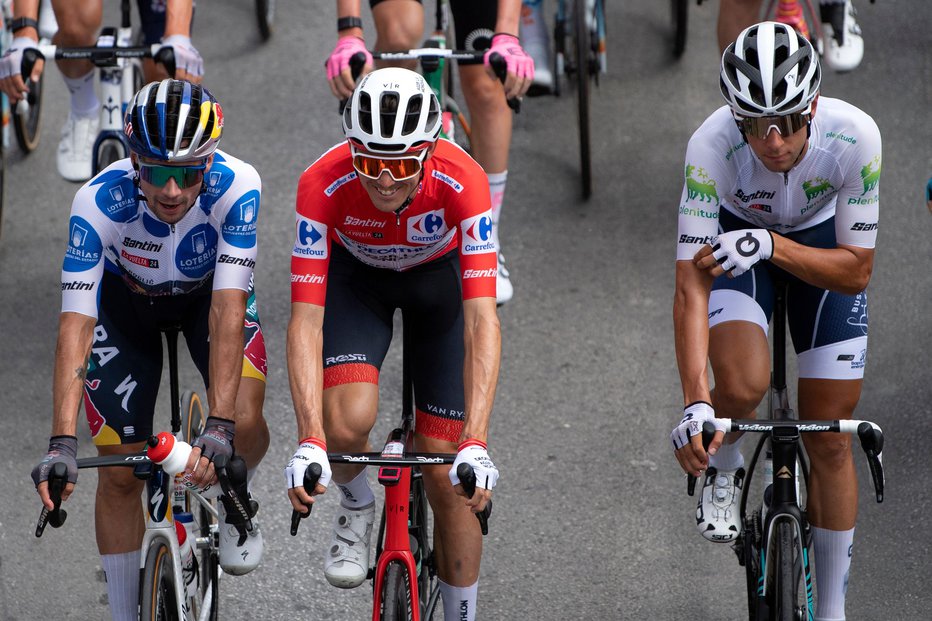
(516, 59)
(345, 49)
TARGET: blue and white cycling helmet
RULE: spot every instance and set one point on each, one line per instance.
(173, 120)
(770, 70)
(392, 111)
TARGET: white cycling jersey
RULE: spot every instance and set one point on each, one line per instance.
(838, 176)
(113, 228)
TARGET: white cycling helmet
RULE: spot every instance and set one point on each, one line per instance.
(392, 112)
(770, 70)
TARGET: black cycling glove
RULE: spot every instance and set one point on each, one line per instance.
(217, 438)
(62, 449)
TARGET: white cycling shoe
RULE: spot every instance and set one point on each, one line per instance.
(76, 147)
(346, 564)
(717, 515)
(239, 553)
(504, 291)
(842, 53)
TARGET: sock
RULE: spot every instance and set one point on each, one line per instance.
(832, 551)
(357, 493)
(497, 183)
(728, 457)
(122, 571)
(84, 102)
(459, 603)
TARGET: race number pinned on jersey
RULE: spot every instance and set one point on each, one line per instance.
(477, 234)
(310, 239)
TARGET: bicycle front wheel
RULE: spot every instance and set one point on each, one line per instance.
(396, 594)
(157, 597)
(265, 15)
(583, 69)
(787, 600)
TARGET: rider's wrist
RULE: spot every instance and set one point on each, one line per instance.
(697, 403)
(349, 23)
(472, 442)
(505, 34)
(21, 24)
(315, 441)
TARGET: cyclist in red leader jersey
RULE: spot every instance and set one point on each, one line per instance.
(395, 219)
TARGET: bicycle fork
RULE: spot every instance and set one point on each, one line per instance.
(397, 483)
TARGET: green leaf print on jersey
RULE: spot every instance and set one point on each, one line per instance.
(700, 186)
(870, 174)
(815, 187)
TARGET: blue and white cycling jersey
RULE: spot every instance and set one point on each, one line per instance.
(112, 228)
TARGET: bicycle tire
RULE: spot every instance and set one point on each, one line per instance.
(785, 598)
(265, 16)
(108, 151)
(583, 71)
(27, 125)
(157, 590)
(680, 14)
(395, 598)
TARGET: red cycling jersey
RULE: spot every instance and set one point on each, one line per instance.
(451, 208)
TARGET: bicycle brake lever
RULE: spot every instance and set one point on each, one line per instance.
(356, 62)
(311, 476)
(872, 442)
(57, 516)
(468, 480)
(223, 466)
(166, 56)
(708, 433)
(500, 67)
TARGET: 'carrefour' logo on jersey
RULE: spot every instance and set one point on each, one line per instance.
(310, 239)
(239, 227)
(197, 251)
(427, 227)
(84, 246)
(477, 234)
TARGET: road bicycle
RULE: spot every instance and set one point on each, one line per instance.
(579, 54)
(163, 592)
(774, 543)
(405, 582)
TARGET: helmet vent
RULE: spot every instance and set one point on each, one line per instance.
(365, 112)
(412, 115)
(388, 112)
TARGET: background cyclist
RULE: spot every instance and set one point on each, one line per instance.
(168, 21)
(395, 219)
(480, 25)
(166, 235)
(780, 184)
(842, 43)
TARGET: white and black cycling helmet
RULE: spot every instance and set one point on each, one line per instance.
(173, 120)
(392, 112)
(770, 70)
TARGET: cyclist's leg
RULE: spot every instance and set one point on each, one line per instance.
(119, 401)
(152, 24)
(733, 17)
(78, 23)
(399, 26)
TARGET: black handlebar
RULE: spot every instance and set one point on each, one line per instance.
(708, 432)
(231, 473)
(468, 479)
(58, 478)
(311, 476)
(872, 443)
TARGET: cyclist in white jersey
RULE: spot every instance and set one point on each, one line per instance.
(781, 185)
(167, 236)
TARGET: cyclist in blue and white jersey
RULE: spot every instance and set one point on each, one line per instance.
(162, 21)
(781, 184)
(166, 236)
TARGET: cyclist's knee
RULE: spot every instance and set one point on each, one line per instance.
(399, 26)
(78, 23)
(738, 398)
(830, 451)
(482, 92)
(118, 485)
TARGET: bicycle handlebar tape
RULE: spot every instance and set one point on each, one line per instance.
(166, 56)
(468, 481)
(311, 476)
(500, 67)
(58, 477)
(708, 433)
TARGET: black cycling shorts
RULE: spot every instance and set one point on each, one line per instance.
(125, 366)
(361, 301)
(152, 20)
(473, 21)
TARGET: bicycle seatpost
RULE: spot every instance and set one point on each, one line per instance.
(468, 480)
(311, 476)
(708, 433)
(58, 478)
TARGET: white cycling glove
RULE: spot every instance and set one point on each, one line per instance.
(11, 63)
(475, 454)
(739, 251)
(187, 58)
(694, 415)
(310, 451)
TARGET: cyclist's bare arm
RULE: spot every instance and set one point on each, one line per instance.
(350, 41)
(691, 339)
(75, 336)
(12, 82)
(845, 269)
(482, 336)
(506, 22)
(306, 377)
(178, 15)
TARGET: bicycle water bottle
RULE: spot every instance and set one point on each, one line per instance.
(172, 454)
(184, 523)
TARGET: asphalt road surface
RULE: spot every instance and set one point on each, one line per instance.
(591, 519)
